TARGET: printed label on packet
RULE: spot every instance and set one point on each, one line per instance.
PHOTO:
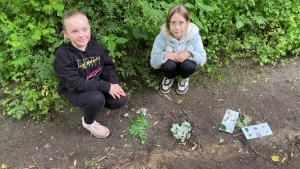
(257, 131)
(229, 120)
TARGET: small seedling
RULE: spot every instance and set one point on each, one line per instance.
(181, 132)
(243, 120)
(139, 125)
(219, 100)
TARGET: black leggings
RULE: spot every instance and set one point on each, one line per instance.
(93, 102)
(172, 69)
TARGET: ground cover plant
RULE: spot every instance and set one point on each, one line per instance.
(181, 132)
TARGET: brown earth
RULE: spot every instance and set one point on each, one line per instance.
(269, 94)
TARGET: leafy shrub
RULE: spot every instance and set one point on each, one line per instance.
(29, 38)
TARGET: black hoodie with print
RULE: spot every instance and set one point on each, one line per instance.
(87, 70)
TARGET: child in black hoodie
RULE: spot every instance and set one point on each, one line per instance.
(86, 73)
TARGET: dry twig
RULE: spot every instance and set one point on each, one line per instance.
(35, 163)
(165, 115)
(174, 113)
(237, 134)
(4, 162)
(258, 153)
(101, 159)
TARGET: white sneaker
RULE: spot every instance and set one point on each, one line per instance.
(183, 86)
(166, 85)
(96, 129)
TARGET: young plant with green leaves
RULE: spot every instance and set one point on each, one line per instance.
(139, 125)
(181, 132)
(243, 120)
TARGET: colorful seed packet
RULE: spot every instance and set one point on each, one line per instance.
(257, 131)
(229, 120)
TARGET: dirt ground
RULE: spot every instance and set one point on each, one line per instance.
(270, 94)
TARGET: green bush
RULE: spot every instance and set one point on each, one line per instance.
(265, 31)
(29, 36)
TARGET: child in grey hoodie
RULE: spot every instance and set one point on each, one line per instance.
(178, 49)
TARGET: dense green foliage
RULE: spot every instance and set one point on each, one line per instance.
(265, 31)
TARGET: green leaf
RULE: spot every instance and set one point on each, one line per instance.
(239, 24)
(37, 34)
(58, 6)
(260, 20)
(223, 127)
(121, 40)
(188, 5)
(206, 8)
(111, 46)
(15, 43)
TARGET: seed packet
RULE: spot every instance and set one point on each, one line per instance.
(257, 131)
(229, 120)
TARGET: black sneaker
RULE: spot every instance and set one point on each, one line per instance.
(166, 85)
(183, 86)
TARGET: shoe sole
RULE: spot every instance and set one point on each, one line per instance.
(182, 92)
(165, 92)
(101, 137)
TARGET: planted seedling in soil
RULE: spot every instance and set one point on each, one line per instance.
(182, 131)
(243, 120)
(139, 125)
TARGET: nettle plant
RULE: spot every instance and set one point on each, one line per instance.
(182, 132)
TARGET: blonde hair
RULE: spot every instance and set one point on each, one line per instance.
(180, 9)
(68, 15)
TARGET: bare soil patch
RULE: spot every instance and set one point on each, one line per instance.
(269, 94)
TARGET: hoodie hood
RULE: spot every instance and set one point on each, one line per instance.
(191, 31)
(69, 46)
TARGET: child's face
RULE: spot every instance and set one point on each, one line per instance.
(78, 31)
(178, 26)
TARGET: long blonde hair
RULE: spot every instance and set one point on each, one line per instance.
(67, 15)
(180, 9)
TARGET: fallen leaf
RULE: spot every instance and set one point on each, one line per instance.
(284, 158)
(275, 158)
(75, 162)
(194, 147)
(3, 166)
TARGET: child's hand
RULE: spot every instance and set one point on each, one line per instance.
(171, 56)
(182, 56)
(116, 91)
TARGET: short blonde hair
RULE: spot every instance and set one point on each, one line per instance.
(67, 15)
(180, 9)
